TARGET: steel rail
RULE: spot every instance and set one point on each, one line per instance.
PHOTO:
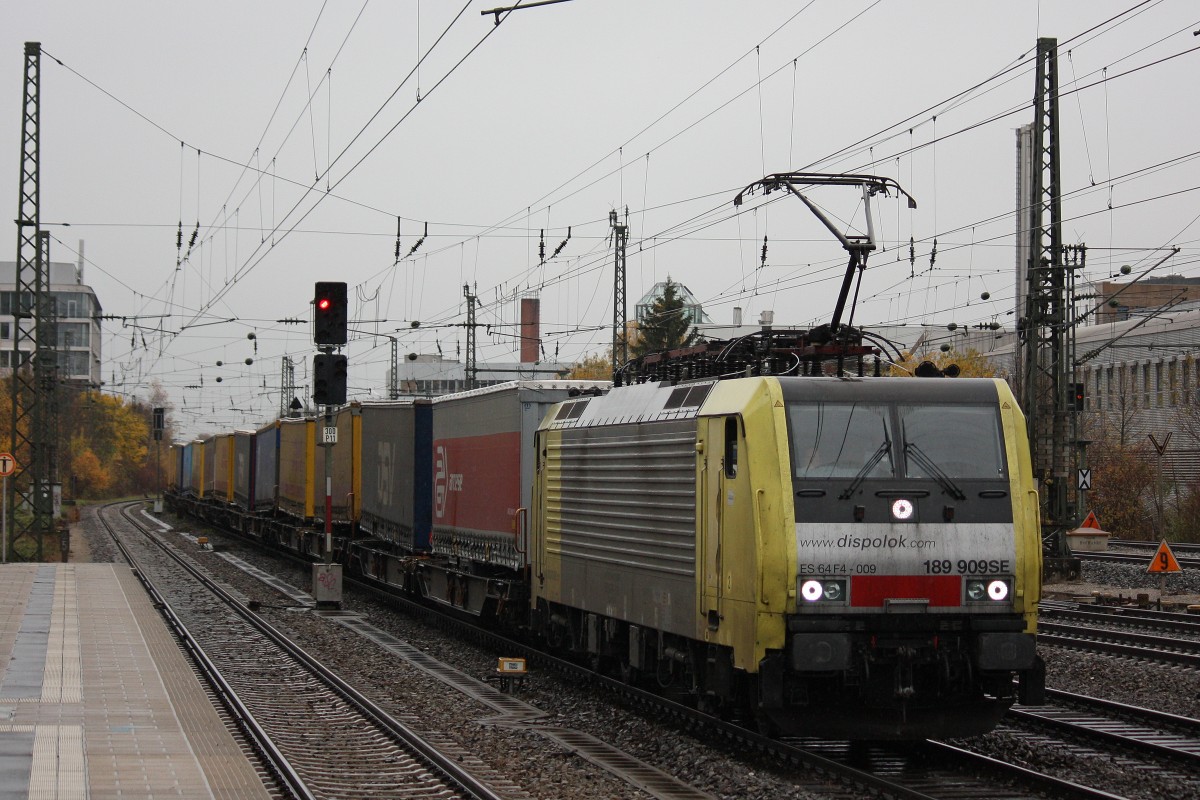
(269, 754)
(436, 760)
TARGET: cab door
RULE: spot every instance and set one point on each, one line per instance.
(711, 445)
(729, 535)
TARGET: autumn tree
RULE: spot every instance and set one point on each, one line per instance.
(106, 445)
(1123, 482)
(666, 326)
(1184, 523)
(1117, 422)
(592, 367)
(88, 476)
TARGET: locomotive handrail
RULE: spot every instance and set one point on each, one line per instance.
(520, 524)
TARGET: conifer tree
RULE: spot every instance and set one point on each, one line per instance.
(666, 326)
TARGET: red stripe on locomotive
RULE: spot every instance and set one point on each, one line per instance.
(873, 590)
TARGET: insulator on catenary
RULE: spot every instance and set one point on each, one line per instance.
(397, 239)
(420, 241)
(561, 244)
(542, 246)
(764, 252)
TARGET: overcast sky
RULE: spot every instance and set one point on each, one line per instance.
(549, 121)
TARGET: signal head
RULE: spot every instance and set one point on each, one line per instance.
(329, 313)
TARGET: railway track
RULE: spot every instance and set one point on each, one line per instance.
(1139, 559)
(320, 737)
(1189, 549)
(1127, 728)
(1139, 552)
(931, 770)
(1123, 643)
(1163, 622)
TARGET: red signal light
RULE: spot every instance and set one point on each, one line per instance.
(329, 317)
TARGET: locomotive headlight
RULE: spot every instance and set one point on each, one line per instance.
(902, 509)
(812, 591)
(834, 590)
(982, 589)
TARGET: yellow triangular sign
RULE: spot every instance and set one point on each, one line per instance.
(1164, 559)
(1091, 522)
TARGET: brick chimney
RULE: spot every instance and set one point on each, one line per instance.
(531, 333)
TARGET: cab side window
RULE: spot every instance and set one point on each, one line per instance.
(731, 447)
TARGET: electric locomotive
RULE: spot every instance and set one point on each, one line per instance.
(850, 557)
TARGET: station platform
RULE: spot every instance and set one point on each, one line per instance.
(97, 701)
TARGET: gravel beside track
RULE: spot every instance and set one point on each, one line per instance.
(546, 770)
(1172, 689)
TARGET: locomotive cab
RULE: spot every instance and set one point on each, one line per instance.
(916, 542)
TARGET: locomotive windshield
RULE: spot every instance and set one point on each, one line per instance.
(963, 441)
(864, 440)
(836, 440)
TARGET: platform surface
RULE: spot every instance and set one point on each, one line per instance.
(97, 701)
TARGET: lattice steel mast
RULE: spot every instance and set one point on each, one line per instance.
(620, 344)
(287, 387)
(1048, 327)
(33, 420)
(394, 375)
(471, 370)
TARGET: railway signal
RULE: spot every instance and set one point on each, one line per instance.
(330, 313)
(329, 379)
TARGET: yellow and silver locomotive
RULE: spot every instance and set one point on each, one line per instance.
(840, 556)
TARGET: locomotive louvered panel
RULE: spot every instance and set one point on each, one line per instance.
(626, 495)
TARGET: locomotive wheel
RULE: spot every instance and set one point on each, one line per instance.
(629, 675)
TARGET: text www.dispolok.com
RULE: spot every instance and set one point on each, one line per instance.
(869, 543)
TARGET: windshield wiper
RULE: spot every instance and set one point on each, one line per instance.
(880, 452)
(926, 463)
